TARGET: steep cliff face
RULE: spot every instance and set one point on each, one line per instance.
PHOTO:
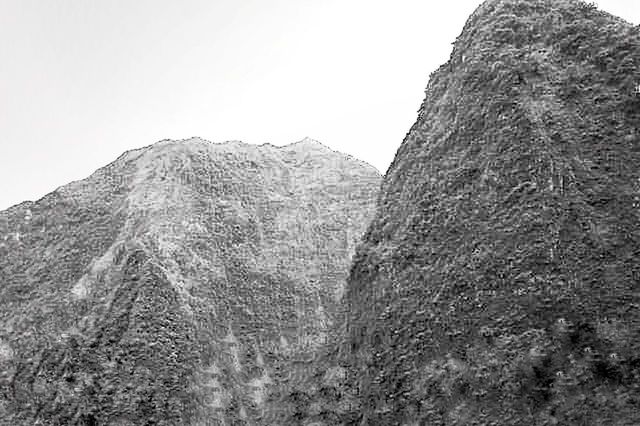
(173, 285)
(499, 282)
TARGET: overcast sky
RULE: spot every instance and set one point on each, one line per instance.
(81, 81)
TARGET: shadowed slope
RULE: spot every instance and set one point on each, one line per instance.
(499, 279)
(166, 287)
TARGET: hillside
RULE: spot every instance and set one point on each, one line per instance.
(499, 282)
(174, 285)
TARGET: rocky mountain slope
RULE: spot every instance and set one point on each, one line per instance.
(173, 285)
(499, 282)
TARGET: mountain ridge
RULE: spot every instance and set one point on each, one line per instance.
(216, 146)
(227, 260)
(502, 254)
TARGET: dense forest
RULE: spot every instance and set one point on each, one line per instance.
(180, 284)
(491, 278)
(498, 282)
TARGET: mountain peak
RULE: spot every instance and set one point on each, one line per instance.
(307, 143)
(163, 268)
(308, 140)
(507, 221)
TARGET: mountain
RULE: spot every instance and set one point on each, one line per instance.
(174, 285)
(499, 281)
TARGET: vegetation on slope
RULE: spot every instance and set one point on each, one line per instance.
(498, 282)
(170, 286)
(318, 389)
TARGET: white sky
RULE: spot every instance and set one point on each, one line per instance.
(81, 81)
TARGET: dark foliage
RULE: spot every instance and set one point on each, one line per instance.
(498, 282)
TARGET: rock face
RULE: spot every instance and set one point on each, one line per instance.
(499, 282)
(171, 286)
